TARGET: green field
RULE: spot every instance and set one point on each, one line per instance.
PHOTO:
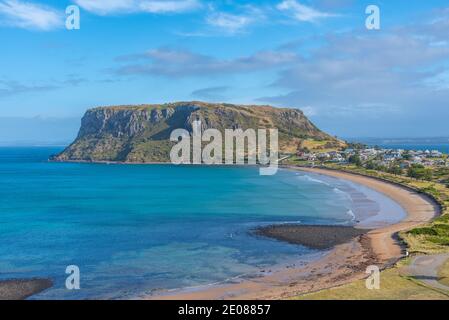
(393, 286)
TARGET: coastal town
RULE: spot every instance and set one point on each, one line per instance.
(431, 165)
(379, 157)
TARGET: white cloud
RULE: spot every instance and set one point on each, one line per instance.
(29, 15)
(229, 22)
(302, 12)
(102, 7)
(167, 6)
(105, 7)
(353, 80)
(183, 63)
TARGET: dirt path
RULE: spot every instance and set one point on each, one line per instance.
(425, 269)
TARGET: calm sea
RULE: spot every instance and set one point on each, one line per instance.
(133, 229)
(413, 146)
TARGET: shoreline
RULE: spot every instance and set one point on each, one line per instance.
(420, 209)
(344, 263)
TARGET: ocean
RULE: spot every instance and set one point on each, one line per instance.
(418, 147)
(440, 144)
(136, 229)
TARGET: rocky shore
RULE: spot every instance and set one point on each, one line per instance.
(315, 237)
(20, 289)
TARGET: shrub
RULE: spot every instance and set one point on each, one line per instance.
(355, 159)
(443, 219)
(439, 240)
(442, 230)
(396, 170)
(418, 171)
(423, 231)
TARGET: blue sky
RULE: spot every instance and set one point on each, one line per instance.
(313, 55)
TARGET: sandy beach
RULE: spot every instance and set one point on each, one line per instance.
(419, 208)
(343, 264)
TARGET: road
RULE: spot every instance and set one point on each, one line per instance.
(425, 269)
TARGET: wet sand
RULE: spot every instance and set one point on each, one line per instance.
(343, 264)
(21, 289)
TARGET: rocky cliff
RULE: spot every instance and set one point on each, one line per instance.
(142, 133)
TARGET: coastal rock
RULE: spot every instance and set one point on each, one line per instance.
(141, 133)
(311, 236)
(20, 289)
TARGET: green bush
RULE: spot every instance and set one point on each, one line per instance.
(355, 159)
(442, 230)
(396, 170)
(439, 240)
(430, 190)
(426, 231)
(443, 219)
(418, 171)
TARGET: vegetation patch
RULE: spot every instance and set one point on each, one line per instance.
(393, 287)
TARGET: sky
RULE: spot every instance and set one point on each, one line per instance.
(317, 56)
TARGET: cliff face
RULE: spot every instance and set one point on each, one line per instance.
(142, 133)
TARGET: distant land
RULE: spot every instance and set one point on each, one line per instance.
(141, 133)
(429, 143)
(428, 140)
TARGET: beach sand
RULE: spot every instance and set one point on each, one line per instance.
(343, 264)
(419, 208)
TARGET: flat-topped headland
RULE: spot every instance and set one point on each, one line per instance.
(141, 133)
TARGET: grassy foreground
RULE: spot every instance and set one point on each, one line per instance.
(393, 287)
(443, 274)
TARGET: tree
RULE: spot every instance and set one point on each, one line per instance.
(406, 155)
(371, 165)
(396, 170)
(355, 159)
(418, 171)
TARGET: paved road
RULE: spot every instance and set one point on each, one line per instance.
(425, 269)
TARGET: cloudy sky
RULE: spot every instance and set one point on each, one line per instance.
(314, 55)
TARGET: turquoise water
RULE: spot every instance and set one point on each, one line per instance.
(132, 229)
